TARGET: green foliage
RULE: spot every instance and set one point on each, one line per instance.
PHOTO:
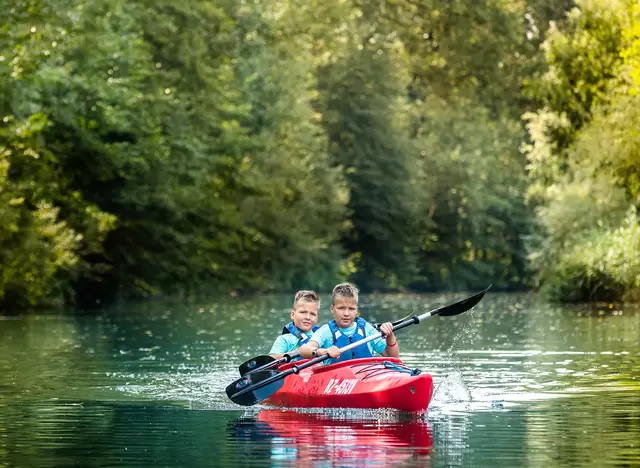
(362, 108)
(46, 227)
(611, 144)
(577, 213)
(181, 147)
(631, 53)
(476, 51)
(467, 63)
(169, 156)
(603, 266)
(605, 166)
(477, 218)
(34, 245)
(144, 118)
(582, 205)
(584, 159)
(546, 163)
(296, 207)
(583, 58)
(543, 14)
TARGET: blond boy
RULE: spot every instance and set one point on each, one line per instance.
(346, 328)
(304, 317)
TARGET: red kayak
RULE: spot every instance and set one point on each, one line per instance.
(379, 382)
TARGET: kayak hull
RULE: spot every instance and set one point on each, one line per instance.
(358, 383)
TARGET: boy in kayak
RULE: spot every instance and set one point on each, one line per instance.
(304, 317)
(347, 328)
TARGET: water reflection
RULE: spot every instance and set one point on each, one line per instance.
(314, 439)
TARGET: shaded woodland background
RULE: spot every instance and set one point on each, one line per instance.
(193, 147)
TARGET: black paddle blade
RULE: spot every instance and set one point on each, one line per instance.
(254, 395)
(254, 364)
(462, 306)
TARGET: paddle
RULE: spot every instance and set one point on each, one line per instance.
(260, 385)
(265, 361)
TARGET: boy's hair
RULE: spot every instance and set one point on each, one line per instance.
(307, 296)
(346, 290)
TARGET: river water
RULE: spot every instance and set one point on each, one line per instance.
(519, 383)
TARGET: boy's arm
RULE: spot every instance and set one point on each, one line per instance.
(387, 346)
(306, 350)
(279, 348)
(318, 338)
(392, 349)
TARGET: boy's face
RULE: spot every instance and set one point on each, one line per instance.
(305, 315)
(345, 310)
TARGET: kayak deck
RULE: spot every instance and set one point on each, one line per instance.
(378, 382)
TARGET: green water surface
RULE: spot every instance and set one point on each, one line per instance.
(519, 383)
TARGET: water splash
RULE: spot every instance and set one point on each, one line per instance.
(452, 389)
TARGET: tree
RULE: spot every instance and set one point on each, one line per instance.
(585, 175)
(47, 226)
(297, 202)
(363, 106)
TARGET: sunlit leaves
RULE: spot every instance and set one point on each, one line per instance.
(584, 155)
(631, 53)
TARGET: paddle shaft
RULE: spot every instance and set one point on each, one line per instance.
(296, 369)
(283, 360)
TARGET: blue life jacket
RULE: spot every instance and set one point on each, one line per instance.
(295, 331)
(341, 340)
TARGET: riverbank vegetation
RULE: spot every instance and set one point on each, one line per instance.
(197, 147)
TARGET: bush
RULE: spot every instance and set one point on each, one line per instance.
(605, 266)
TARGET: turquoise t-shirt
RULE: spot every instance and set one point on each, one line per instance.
(286, 343)
(324, 338)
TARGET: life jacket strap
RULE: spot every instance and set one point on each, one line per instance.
(295, 331)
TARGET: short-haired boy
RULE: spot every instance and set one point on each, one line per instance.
(304, 317)
(347, 328)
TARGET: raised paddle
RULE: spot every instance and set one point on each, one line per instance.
(265, 361)
(260, 385)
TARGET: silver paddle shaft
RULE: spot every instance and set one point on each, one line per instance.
(411, 321)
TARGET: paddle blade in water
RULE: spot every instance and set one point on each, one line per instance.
(235, 391)
(462, 306)
(255, 363)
